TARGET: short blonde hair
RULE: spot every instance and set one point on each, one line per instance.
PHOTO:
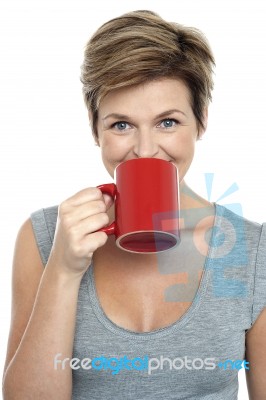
(140, 46)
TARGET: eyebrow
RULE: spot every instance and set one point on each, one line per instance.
(123, 116)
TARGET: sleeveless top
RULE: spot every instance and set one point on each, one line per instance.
(197, 357)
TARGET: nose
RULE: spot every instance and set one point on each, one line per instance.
(145, 145)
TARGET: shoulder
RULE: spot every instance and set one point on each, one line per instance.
(249, 238)
(233, 212)
(241, 246)
(242, 230)
(46, 215)
(43, 224)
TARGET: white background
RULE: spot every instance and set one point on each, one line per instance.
(47, 152)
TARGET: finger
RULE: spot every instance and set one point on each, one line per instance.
(83, 211)
(94, 241)
(84, 196)
(108, 200)
(89, 225)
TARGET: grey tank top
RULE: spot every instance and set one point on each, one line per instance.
(189, 358)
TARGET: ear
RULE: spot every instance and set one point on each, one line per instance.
(92, 129)
(205, 123)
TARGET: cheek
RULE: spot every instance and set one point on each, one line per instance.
(109, 150)
(184, 148)
(112, 153)
(114, 148)
(192, 148)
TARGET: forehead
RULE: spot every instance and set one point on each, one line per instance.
(154, 95)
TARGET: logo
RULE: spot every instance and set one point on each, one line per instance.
(221, 249)
(115, 365)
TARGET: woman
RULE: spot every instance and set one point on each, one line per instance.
(99, 322)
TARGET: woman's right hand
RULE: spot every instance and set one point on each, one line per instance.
(76, 237)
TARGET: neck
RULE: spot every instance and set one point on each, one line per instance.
(190, 199)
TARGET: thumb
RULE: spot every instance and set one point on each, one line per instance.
(108, 200)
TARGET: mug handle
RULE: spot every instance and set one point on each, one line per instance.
(108, 188)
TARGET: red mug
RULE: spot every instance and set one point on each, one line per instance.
(146, 198)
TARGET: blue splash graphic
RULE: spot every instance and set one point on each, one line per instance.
(208, 182)
(232, 189)
(227, 262)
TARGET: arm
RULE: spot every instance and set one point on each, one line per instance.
(256, 356)
(48, 322)
(44, 300)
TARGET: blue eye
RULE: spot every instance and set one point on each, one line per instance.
(168, 123)
(120, 125)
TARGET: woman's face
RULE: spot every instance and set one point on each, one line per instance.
(154, 119)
